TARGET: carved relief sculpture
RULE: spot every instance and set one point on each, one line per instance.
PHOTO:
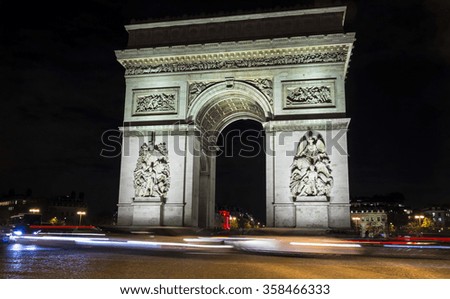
(152, 173)
(262, 84)
(265, 86)
(155, 103)
(195, 88)
(311, 171)
(309, 95)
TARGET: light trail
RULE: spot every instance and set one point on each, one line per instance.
(114, 243)
(325, 244)
(418, 246)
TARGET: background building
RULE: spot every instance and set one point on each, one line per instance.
(12, 204)
(61, 209)
(439, 216)
(370, 223)
(64, 209)
(379, 214)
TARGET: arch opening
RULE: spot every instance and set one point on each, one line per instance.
(243, 108)
(241, 173)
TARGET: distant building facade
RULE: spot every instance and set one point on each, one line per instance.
(379, 214)
(63, 209)
(370, 223)
(11, 205)
(57, 210)
(439, 216)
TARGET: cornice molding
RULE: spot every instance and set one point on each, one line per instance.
(242, 45)
(188, 22)
(237, 59)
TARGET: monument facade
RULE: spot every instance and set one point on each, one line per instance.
(186, 80)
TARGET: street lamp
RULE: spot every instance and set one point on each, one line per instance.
(81, 213)
(419, 217)
(356, 219)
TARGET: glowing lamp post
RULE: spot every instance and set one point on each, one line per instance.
(81, 215)
(419, 217)
(356, 219)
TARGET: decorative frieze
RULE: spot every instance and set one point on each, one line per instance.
(155, 101)
(235, 60)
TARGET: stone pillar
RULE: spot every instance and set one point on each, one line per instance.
(207, 190)
(179, 205)
(191, 179)
(131, 143)
(270, 174)
(312, 212)
(173, 209)
(211, 207)
(311, 208)
(339, 208)
(147, 211)
(280, 208)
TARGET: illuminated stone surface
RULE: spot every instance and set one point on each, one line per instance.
(182, 93)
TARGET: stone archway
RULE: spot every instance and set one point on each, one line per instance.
(215, 107)
(179, 95)
(224, 102)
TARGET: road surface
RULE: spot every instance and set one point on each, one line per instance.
(35, 261)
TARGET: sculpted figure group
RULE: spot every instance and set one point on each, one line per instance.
(152, 173)
(310, 170)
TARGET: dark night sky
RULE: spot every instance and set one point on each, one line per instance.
(61, 88)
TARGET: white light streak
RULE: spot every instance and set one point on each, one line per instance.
(113, 243)
(71, 234)
(325, 244)
(59, 238)
(178, 244)
(204, 240)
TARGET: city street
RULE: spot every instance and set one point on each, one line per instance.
(171, 260)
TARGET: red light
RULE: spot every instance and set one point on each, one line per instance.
(225, 219)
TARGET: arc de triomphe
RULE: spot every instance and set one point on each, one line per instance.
(186, 80)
